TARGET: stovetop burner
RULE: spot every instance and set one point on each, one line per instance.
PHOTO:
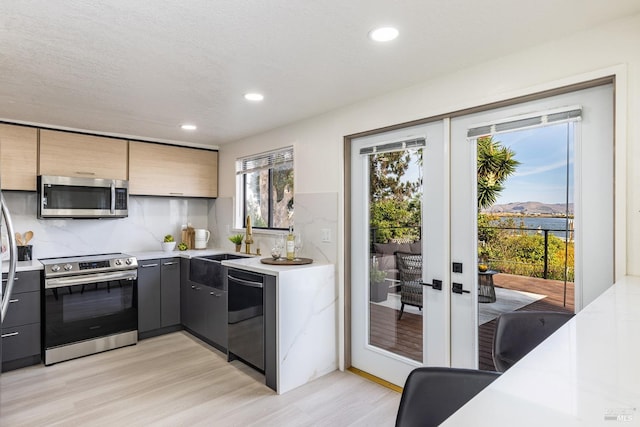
(68, 266)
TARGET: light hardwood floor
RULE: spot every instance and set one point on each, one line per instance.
(176, 380)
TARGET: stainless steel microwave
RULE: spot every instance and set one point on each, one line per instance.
(73, 197)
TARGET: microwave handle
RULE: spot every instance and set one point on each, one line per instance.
(113, 197)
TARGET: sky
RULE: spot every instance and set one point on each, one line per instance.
(542, 173)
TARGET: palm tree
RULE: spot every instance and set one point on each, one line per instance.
(495, 164)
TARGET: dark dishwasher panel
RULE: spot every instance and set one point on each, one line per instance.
(246, 317)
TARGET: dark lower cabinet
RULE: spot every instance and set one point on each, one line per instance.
(217, 317)
(203, 310)
(158, 296)
(21, 327)
(148, 295)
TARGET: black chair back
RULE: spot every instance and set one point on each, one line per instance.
(432, 394)
(519, 332)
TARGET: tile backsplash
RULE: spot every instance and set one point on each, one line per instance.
(149, 220)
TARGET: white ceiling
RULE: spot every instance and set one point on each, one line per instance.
(143, 67)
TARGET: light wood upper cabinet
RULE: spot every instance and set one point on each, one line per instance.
(88, 156)
(165, 170)
(18, 157)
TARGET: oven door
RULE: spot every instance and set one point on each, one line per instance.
(79, 308)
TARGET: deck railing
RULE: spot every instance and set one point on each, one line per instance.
(416, 231)
(545, 232)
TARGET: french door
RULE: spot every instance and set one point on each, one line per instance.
(441, 328)
(384, 342)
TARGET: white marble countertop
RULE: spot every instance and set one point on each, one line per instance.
(586, 374)
(141, 256)
(23, 266)
(254, 264)
(147, 255)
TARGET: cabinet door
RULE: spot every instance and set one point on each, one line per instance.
(88, 156)
(186, 314)
(217, 316)
(21, 327)
(18, 157)
(20, 341)
(25, 281)
(170, 292)
(24, 308)
(165, 170)
(198, 303)
(148, 295)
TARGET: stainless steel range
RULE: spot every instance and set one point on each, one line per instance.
(89, 305)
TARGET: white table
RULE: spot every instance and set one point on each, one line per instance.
(585, 374)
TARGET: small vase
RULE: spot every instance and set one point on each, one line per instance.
(238, 247)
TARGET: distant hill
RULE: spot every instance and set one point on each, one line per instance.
(530, 208)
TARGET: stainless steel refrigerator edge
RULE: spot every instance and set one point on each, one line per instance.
(5, 292)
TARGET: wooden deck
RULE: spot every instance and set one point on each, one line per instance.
(404, 337)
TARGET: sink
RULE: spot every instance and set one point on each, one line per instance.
(207, 269)
(221, 257)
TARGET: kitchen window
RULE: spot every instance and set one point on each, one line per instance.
(264, 184)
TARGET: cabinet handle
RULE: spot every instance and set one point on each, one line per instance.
(148, 265)
(169, 263)
(11, 334)
(214, 294)
(85, 173)
(14, 300)
(14, 279)
(177, 194)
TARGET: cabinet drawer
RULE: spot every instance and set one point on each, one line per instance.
(21, 341)
(24, 308)
(26, 281)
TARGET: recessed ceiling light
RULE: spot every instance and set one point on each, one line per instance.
(189, 127)
(253, 96)
(383, 34)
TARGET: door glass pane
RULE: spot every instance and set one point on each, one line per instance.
(395, 252)
(525, 225)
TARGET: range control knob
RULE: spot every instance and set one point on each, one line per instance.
(118, 262)
(55, 268)
(128, 261)
(68, 267)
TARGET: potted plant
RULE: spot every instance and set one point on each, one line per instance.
(378, 287)
(169, 243)
(237, 240)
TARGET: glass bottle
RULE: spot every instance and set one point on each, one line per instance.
(290, 244)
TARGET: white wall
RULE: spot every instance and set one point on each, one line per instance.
(606, 50)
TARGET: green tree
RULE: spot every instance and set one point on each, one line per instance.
(495, 164)
(395, 201)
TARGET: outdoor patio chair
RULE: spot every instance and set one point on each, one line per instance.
(519, 332)
(410, 275)
(433, 394)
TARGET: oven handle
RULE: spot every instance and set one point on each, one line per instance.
(58, 282)
(113, 198)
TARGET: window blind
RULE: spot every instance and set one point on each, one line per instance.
(394, 146)
(567, 114)
(269, 160)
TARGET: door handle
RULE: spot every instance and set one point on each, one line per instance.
(457, 289)
(436, 285)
